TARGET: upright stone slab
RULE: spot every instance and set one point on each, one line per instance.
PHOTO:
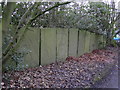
(92, 36)
(48, 46)
(96, 41)
(31, 42)
(62, 44)
(81, 42)
(87, 42)
(73, 39)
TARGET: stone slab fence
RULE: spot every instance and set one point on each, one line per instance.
(49, 45)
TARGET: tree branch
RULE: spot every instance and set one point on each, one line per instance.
(117, 33)
(58, 4)
(18, 27)
(10, 52)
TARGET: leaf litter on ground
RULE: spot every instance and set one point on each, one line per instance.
(74, 72)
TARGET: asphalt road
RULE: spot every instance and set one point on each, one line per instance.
(111, 80)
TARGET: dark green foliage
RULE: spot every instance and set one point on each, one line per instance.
(94, 17)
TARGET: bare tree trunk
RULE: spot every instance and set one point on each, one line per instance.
(8, 10)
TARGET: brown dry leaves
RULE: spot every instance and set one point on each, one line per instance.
(72, 73)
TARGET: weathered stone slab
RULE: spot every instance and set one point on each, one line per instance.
(62, 44)
(31, 43)
(87, 42)
(96, 41)
(81, 42)
(48, 46)
(92, 36)
(73, 39)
